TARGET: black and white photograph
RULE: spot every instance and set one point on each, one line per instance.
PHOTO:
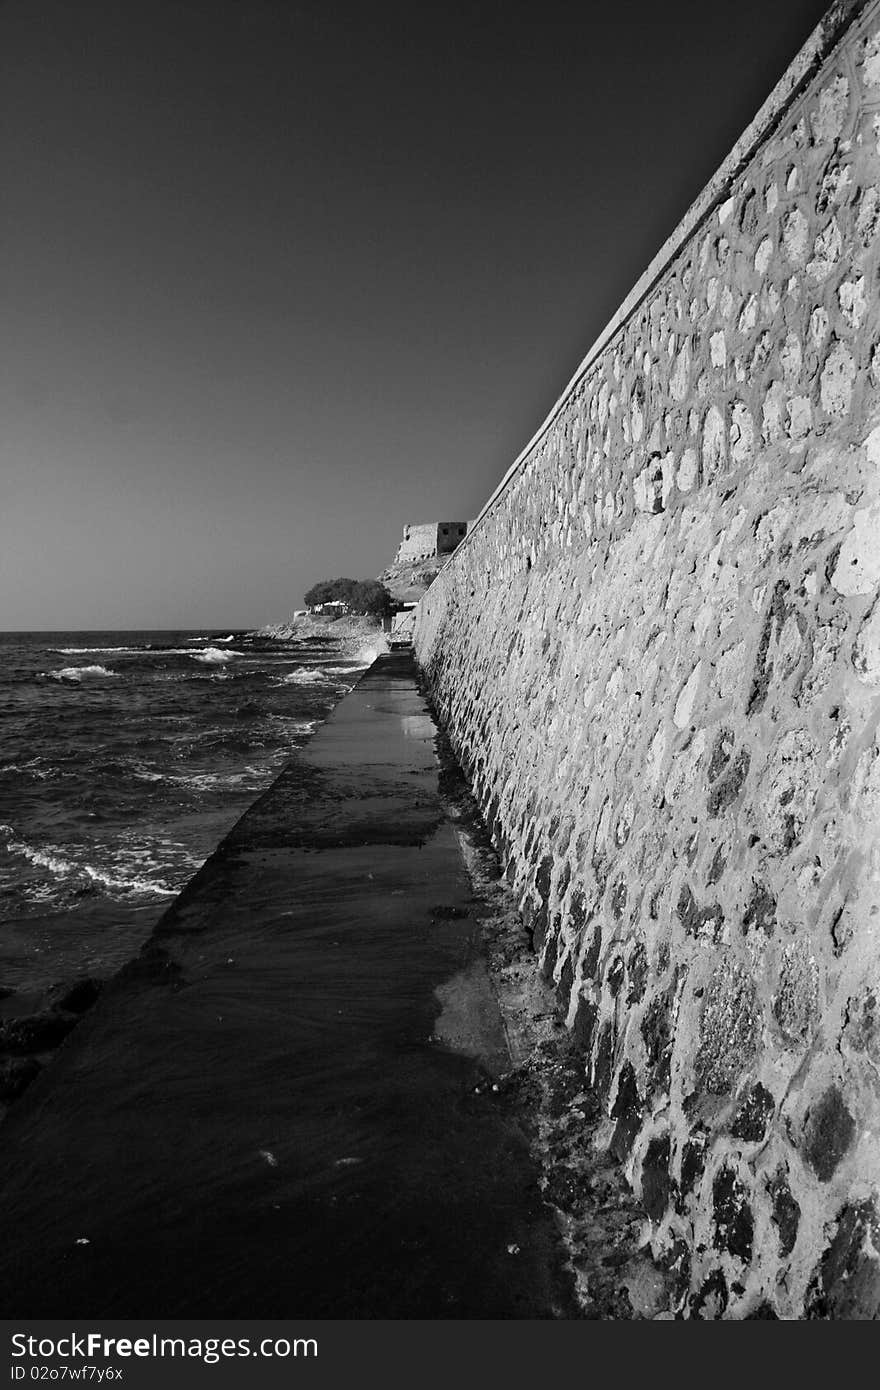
(439, 679)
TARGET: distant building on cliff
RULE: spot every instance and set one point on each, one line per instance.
(429, 539)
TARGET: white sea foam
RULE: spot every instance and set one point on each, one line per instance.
(310, 675)
(32, 768)
(285, 724)
(56, 859)
(77, 673)
(201, 654)
(367, 655)
(212, 656)
(249, 777)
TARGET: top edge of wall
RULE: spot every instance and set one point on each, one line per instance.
(825, 38)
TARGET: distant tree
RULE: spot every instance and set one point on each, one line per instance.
(360, 595)
(327, 591)
(371, 597)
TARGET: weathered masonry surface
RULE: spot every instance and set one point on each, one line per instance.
(658, 656)
(424, 540)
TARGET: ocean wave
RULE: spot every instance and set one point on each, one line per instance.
(348, 672)
(248, 777)
(157, 651)
(200, 653)
(56, 858)
(77, 673)
(289, 726)
(213, 656)
(310, 675)
(31, 768)
(367, 655)
(39, 894)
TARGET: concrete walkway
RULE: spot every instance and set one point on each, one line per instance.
(274, 1111)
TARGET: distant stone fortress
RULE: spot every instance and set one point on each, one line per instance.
(428, 539)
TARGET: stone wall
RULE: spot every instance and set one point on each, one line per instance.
(424, 540)
(658, 656)
(450, 534)
(419, 542)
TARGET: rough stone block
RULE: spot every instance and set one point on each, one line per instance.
(828, 1133)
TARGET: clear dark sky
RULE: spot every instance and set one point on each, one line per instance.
(278, 277)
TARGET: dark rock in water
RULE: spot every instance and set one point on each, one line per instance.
(6, 991)
(16, 1074)
(36, 1032)
(250, 710)
(75, 997)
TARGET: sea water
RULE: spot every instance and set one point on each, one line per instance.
(124, 758)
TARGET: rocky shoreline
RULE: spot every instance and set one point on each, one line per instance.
(351, 635)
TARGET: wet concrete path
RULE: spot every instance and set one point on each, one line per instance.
(272, 1113)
